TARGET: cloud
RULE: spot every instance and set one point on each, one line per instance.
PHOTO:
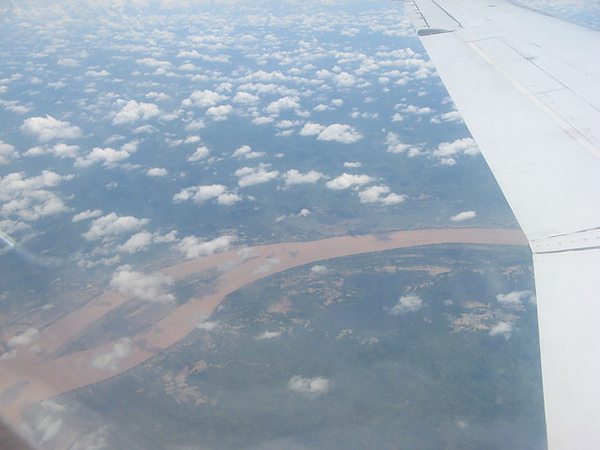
(249, 176)
(150, 287)
(25, 338)
(514, 297)
(89, 214)
(245, 152)
(313, 387)
(347, 180)
(339, 133)
(464, 146)
(311, 129)
(318, 269)
(406, 304)
(200, 194)
(193, 248)
(28, 198)
(293, 176)
(380, 194)
(204, 99)
(200, 153)
(245, 98)
(283, 104)
(107, 156)
(7, 153)
(502, 329)
(395, 145)
(133, 111)
(137, 242)
(157, 172)
(108, 361)
(47, 128)
(112, 225)
(465, 215)
(61, 151)
(268, 335)
(218, 113)
(352, 165)
(268, 265)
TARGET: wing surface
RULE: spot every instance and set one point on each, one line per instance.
(528, 88)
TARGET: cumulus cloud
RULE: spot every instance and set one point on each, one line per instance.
(157, 172)
(7, 153)
(109, 361)
(22, 339)
(395, 145)
(61, 151)
(268, 265)
(352, 164)
(245, 98)
(514, 298)
(89, 214)
(48, 128)
(339, 133)
(283, 104)
(380, 194)
(107, 156)
(502, 329)
(218, 113)
(406, 304)
(294, 176)
(312, 387)
(465, 215)
(200, 153)
(193, 248)
(268, 335)
(346, 181)
(112, 225)
(28, 198)
(204, 99)
(133, 111)
(249, 176)
(137, 242)
(446, 150)
(318, 269)
(311, 129)
(245, 152)
(200, 194)
(150, 287)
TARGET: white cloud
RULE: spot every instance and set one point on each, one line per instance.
(395, 145)
(245, 98)
(150, 287)
(312, 387)
(218, 113)
(339, 133)
(245, 152)
(347, 180)
(193, 248)
(200, 153)
(109, 361)
(137, 242)
(268, 265)
(204, 99)
(200, 194)
(268, 335)
(262, 120)
(249, 176)
(293, 176)
(59, 150)
(318, 269)
(157, 172)
(380, 194)
(89, 214)
(25, 338)
(352, 165)
(283, 104)
(133, 111)
(48, 128)
(465, 146)
(7, 153)
(28, 198)
(112, 225)
(514, 297)
(107, 156)
(502, 329)
(465, 215)
(311, 129)
(97, 73)
(406, 304)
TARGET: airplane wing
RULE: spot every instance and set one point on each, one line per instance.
(528, 88)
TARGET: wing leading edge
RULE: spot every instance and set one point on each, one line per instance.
(528, 88)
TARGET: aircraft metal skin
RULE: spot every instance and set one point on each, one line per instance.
(528, 88)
